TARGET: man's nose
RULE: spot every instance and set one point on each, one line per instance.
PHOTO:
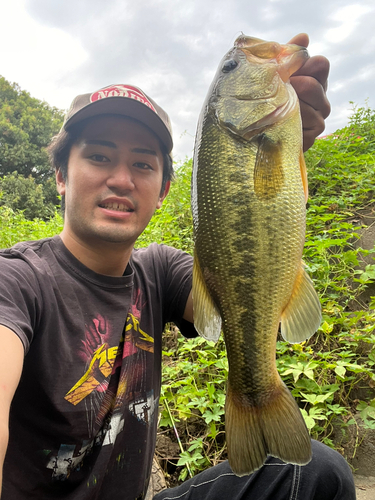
(121, 178)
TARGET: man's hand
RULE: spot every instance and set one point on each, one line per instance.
(310, 84)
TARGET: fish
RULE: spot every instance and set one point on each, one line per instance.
(249, 193)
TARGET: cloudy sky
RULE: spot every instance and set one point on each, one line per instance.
(57, 49)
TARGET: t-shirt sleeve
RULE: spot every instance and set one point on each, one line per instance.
(19, 298)
(177, 269)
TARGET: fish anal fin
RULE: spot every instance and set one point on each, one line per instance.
(207, 320)
(276, 427)
(303, 314)
(302, 166)
(268, 170)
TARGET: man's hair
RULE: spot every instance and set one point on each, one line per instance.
(60, 146)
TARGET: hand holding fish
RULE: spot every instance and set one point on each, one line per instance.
(310, 83)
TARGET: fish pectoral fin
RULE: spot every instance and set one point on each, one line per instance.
(303, 169)
(268, 170)
(303, 314)
(207, 320)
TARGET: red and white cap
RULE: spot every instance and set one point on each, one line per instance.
(126, 100)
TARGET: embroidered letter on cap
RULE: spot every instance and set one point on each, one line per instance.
(122, 91)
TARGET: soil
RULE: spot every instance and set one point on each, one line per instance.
(364, 487)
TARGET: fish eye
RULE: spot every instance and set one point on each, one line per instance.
(229, 65)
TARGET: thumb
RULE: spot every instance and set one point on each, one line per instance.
(301, 39)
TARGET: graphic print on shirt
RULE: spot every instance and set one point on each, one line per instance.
(114, 383)
(99, 358)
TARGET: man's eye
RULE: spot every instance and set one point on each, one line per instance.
(99, 158)
(143, 166)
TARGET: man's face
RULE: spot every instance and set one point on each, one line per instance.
(114, 180)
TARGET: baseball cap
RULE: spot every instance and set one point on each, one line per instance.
(126, 100)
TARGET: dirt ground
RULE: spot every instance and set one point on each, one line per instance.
(365, 487)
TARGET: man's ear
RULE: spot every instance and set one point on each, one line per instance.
(60, 183)
(164, 194)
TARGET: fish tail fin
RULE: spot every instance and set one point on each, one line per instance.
(275, 428)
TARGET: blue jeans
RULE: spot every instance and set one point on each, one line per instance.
(326, 477)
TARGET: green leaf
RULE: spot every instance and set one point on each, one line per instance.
(340, 370)
(309, 421)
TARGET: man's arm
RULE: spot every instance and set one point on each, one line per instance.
(11, 363)
(188, 314)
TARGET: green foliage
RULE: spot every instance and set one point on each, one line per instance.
(195, 373)
(24, 194)
(172, 224)
(14, 227)
(26, 128)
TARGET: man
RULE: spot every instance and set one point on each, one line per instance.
(81, 318)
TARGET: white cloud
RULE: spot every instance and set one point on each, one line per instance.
(35, 56)
(348, 16)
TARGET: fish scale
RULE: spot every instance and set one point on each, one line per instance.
(248, 204)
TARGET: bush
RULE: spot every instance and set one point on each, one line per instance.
(24, 194)
(14, 227)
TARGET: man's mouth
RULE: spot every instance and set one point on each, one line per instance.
(120, 207)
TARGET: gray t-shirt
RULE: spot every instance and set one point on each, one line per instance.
(84, 417)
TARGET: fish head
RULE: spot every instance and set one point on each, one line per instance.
(251, 89)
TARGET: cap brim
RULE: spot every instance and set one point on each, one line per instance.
(125, 107)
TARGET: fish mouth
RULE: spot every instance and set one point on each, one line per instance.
(291, 58)
(288, 57)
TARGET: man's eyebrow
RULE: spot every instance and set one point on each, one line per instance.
(145, 151)
(112, 145)
(101, 142)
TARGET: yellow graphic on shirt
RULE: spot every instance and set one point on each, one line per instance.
(142, 341)
(103, 359)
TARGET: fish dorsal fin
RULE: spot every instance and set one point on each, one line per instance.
(302, 316)
(207, 320)
(268, 170)
(302, 166)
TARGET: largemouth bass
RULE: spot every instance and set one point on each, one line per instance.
(249, 192)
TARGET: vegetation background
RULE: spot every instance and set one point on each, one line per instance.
(331, 376)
